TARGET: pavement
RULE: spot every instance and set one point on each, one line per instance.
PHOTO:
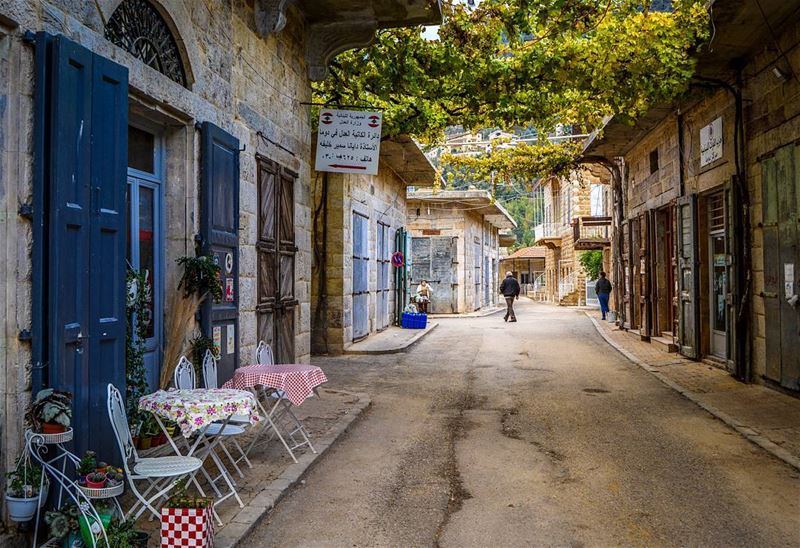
(533, 433)
(391, 340)
(488, 311)
(764, 416)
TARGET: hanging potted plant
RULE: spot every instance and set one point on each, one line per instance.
(50, 412)
(23, 493)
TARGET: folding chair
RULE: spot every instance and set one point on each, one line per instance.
(239, 421)
(279, 411)
(185, 379)
(162, 473)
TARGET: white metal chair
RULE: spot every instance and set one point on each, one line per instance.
(279, 414)
(185, 379)
(210, 379)
(162, 473)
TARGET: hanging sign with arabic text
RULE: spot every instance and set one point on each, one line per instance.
(348, 141)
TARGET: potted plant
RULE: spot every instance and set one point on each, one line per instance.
(96, 480)
(114, 477)
(121, 534)
(86, 466)
(50, 412)
(193, 512)
(149, 431)
(91, 530)
(23, 493)
(64, 525)
(102, 467)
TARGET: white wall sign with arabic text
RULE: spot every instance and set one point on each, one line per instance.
(711, 140)
(348, 141)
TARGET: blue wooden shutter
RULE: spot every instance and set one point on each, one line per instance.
(87, 148)
(219, 229)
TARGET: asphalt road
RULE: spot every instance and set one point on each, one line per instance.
(531, 434)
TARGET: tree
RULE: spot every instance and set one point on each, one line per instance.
(520, 63)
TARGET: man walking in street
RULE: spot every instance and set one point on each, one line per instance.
(603, 289)
(510, 290)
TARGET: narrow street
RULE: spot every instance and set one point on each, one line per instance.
(534, 433)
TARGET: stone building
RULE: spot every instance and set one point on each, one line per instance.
(455, 246)
(359, 224)
(527, 264)
(576, 220)
(137, 132)
(707, 240)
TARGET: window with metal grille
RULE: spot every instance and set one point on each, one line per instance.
(716, 212)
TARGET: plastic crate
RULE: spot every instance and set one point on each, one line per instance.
(411, 320)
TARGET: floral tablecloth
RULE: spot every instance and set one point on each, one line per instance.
(195, 409)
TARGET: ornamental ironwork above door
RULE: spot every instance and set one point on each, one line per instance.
(137, 27)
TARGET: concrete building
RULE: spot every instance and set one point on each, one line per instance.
(455, 245)
(576, 220)
(705, 203)
(148, 130)
(359, 224)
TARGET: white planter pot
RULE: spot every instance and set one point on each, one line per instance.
(20, 509)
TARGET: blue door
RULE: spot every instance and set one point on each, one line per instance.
(85, 275)
(219, 229)
(360, 276)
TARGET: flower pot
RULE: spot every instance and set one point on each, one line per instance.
(145, 442)
(73, 540)
(95, 484)
(53, 428)
(90, 529)
(22, 509)
(139, 539)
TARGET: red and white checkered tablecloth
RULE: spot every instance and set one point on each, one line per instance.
(296, 380)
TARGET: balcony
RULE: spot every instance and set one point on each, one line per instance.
(591, 233)
(547, 234)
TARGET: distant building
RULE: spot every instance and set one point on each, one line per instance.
(455, 246)
(576, 220)
(528, 266)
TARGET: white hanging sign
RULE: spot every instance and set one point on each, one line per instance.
(711, 140)
(348, 141)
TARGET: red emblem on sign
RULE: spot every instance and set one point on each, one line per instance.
(327, 118)
(397, 259)
(374, 120)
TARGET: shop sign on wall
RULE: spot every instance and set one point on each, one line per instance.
(348, 141)
(711, 140)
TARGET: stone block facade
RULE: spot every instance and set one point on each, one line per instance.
(472, 222)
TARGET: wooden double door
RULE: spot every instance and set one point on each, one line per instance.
(276, 250)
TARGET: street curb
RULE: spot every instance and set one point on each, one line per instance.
(748, 432)
(398, 349)
(251, 515)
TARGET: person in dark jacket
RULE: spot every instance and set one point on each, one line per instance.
(603, 289)
(510, 290)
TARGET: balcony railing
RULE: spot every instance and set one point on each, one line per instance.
(546, 231)
(591, 232)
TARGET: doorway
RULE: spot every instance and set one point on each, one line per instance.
(382, 291)
(718, 283)
(360, 276)
(276, 257)
(664, 274)
(145, 236)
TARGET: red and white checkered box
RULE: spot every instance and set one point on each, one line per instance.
(192, 527)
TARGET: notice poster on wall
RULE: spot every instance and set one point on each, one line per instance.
(348, 141)
(217, 337)
(711, 140)
(230, 343)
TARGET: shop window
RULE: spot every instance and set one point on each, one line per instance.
(137, 27)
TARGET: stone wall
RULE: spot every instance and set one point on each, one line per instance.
(381, 198)
(476, 239)
(241, 82)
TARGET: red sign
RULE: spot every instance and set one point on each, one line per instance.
(326, 118)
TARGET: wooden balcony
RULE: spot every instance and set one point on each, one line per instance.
(591, 233)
